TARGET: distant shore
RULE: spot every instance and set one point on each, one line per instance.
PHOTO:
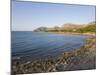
(83, 58)
(74, 33)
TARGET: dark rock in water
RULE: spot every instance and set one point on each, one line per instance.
(61, 67)
(15, 58)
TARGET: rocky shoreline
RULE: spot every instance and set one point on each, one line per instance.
(83, 58)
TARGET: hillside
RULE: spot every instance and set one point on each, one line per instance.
(68, 27)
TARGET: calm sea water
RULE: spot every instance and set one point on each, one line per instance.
(34, 45)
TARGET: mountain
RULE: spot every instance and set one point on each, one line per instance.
(40, 29)
(69, 27)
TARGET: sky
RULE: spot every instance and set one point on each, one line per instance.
(27, 16)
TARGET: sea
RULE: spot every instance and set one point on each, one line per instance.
(28, 45)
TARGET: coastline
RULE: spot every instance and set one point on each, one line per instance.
(81, 59)
(75, 33)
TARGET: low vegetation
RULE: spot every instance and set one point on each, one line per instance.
(74, 28)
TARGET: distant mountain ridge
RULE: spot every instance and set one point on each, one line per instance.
(69, 27)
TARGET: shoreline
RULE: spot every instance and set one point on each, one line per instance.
(74, 33)
(83, 58)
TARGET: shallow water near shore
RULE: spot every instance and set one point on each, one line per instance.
(27, 45)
